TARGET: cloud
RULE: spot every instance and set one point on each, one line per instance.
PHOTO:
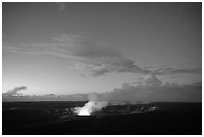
(85, 47)
(61, 6)
(152, 89)
(66, 46)
(95, 56)
(117, 65)
(172, 71)
(15, 91)
(150, 81)
(146, 89)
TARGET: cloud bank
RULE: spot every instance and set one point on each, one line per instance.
(151, 88)
(15, 91)
(147, 89)
(95, 56)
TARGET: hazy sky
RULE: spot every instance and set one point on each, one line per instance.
(67, 48)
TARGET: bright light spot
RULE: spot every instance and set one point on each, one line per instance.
(84, 112)
(89, 108)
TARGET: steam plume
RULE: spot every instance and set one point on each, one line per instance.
(92, 106)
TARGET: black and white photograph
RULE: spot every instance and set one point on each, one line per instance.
(101, 68)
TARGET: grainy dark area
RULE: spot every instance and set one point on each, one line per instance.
(56, 118)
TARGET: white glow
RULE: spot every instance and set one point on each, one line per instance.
(90, 107)
(84, 112)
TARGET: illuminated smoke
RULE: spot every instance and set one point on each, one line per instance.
(92, 106)
(89, 108)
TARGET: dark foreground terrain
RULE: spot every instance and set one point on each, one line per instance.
(57, 118)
